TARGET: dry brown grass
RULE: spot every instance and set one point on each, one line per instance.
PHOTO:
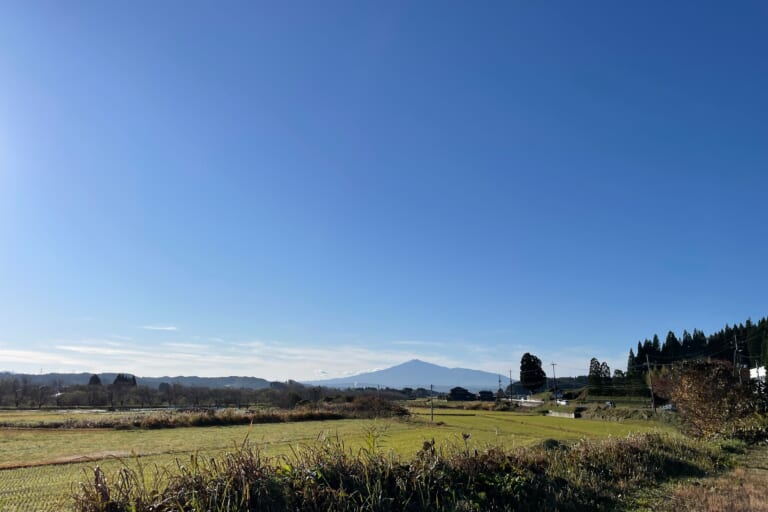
(745, 489)
(580, 476)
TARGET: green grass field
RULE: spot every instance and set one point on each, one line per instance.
(40, 468)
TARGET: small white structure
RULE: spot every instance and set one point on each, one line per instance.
(757, 373)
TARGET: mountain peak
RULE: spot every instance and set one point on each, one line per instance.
(418, 374)
(415, 361)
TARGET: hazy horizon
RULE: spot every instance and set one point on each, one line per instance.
(319, 379)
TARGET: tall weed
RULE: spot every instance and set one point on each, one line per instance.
(586, 475)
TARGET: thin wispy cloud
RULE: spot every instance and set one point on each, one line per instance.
(102, 351)
(31, 360)
(419, 343)
(160, 327)
(187, 346)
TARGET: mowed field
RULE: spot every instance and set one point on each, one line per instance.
(40, 468)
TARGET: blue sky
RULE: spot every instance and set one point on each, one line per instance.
(299, 190)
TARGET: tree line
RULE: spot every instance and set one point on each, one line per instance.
(745, 344)
(126, 391)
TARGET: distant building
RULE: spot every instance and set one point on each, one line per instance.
(486, 396)
(757, 373)
(461, 394)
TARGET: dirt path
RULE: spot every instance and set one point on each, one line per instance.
(71, 459)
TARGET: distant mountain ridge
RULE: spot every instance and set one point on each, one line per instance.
(420, 374)
(69, 379)
(411, 374)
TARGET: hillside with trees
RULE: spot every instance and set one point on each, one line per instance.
(745, 345)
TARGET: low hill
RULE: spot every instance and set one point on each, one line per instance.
(420, 374)
(68, 379)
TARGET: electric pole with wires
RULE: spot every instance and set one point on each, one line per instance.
(554, 380)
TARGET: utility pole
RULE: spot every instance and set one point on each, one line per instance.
(510, 383)
(431, 403)
(735, 353)
(554, 380)
(650, 383)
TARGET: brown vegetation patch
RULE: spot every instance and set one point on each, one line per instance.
(745, 489)
(360, 407)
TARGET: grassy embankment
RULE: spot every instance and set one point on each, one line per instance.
(553, 476)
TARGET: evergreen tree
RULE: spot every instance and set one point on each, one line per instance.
(640, 357)
(762, 325)
(120, 388)
(655, 346)
(718, 344)
(595, 376)
(754, 341)
(648, 352)
(764, 359)
(605, 378)
(699, 341)
(672, 348)
(605, 371)
(124, 379)
(687, 345)
(631, 363)
(532, 376)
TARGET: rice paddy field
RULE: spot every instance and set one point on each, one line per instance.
(40, 467)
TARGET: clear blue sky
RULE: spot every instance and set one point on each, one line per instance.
(297, 190)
